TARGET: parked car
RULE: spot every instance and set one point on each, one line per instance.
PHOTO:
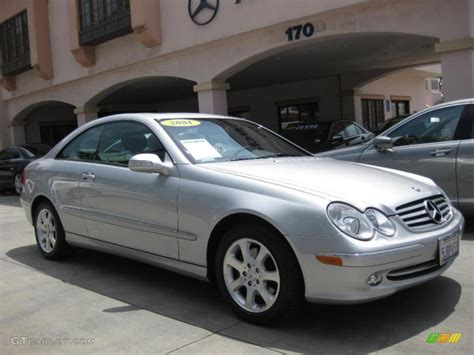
(437, 142)
(385, 125)
(227, 200)
(322, 136)
(13, 160)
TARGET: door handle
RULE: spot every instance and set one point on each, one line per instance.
(88, 175)
(441, 152)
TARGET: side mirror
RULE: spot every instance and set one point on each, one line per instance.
(147, 163)
(383, 143)
(336, 139)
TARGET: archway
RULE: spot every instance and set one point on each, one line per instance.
(315, 79)
(45, 122)
(146, 94)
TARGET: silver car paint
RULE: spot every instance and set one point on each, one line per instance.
(113, 213)
(453, 172)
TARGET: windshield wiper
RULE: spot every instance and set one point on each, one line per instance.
(278, 155)
(237, 159)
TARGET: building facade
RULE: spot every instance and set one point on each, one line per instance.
(65, 62)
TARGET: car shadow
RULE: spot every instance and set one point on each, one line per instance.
(469, 229)
(319, 328)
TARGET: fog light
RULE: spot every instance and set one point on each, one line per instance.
(374, 279)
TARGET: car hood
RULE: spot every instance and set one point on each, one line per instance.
(361, 185)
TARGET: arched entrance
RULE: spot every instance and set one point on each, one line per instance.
(147, 94)
(317, 79)
(45, 122)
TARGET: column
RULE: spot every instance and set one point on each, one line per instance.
(347, 102)
(457, 65)
(85, 114)
(17, 133)
(212, 97)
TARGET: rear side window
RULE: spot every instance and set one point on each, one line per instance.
(84, 146)
(14, 153)
(351, 130)
(123, 140)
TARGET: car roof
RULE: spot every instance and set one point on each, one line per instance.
(455, 102)
(177, 115)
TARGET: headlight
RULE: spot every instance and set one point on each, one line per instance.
(350, 221)
(380, 222)
(360, 225)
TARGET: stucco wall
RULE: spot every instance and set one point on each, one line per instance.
(4, 139)
(407, 83)
(240, 32)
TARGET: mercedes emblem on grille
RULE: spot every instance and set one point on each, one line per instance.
(434, 212)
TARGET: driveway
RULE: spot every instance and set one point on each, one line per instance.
(110, 304)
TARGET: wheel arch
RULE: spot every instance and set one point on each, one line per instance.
(228, 222)
(36, 202)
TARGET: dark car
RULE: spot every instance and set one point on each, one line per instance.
(322, 136)
(13, 160)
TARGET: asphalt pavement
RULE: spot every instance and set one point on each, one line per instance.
(99, 303)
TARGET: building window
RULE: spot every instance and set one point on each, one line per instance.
(400, 108)
(297, 112)
(103, 20)
(15, 45)
(372, 113)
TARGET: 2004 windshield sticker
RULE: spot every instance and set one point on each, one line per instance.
(180, 123)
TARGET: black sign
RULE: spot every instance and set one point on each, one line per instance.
(306, 30)
(202, 11)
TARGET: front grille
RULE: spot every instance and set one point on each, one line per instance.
(414, 271)
(416, 217)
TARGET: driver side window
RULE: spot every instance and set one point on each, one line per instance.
(122, 140)
(435, 126)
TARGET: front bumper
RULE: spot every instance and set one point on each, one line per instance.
(404, 261)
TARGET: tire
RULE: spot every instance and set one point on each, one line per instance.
(17, 183)
(49, 232)
(274, 277)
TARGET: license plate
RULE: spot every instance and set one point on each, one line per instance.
(448, 248)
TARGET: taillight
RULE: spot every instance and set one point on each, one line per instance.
(23, 178)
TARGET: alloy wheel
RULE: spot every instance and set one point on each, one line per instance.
(251, 275)
(46, 230)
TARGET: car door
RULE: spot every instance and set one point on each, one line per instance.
(425, 145)
(65, 176)
(5, 173)
(465, 165)
(9, 163)
(127, 208)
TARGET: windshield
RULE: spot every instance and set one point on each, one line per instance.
(211, 140)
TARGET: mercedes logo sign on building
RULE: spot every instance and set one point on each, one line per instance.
(202, 11)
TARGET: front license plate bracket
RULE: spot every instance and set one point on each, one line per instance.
(448, 248)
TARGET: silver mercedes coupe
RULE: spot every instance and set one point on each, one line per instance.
(226, 200)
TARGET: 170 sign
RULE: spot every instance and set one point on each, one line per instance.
(307, 30)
